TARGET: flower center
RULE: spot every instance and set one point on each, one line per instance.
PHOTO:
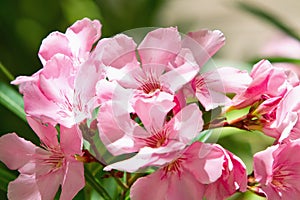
(281, 177)
(174, 167)
(150, 86)
(199, 85)
(55, 158)
(158, 139)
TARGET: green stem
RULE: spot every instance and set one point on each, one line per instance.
(6, 72)
(121, 184)
(134, 178)
(94, 183)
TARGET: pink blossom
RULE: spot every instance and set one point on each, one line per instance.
(167, 62)
(267, 82)
(277, 170)
(76, 43)
(198, 172)
(158, 137)
(233, 178)
(63, 91)
(147, 89)
(43, 170)
(165, 66)
(211, 87)
(287, 123)
(263, 95)
(203, 44)
(56, 97)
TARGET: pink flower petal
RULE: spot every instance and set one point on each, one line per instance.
(36, 104)
(149, 184)
(203, 44)
(267, 80)
(46, 133)
(186, 124)
(85, 98)
(204, 161)
(55, 43)
(76, 43)
(15, 152)
(70, 140)
(149, 157)
(153, 111)
(57, 79)
(184, 186)
(160, 46)
(277, 170)
(116, 52)
(232, 80)
(117, 136)
(179, 76)
(28, 187)
(73, 181)
(82, 35)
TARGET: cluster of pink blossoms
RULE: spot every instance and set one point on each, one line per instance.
(146, 101)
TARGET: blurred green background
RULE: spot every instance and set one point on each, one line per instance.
(24, 23)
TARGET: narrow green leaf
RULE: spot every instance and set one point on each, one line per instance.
(5, 177)
(279, 60)
(12, 100)
(6, 72)
(94, 183)
(269, 17)
(203, 136)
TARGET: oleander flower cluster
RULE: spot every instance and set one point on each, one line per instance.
(145, 103)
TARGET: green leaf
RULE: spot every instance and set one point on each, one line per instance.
(12, 100)
(5, 177)
(271, 18)
(95, 184)
(203, 136)
(235, 114)
(6, 72)
(279, 60)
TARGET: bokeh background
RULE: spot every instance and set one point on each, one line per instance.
(24, 23)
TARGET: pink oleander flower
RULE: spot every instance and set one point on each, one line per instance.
(76, 43)
(61, 95)
(63, 91)
(233, 178)
(167, 62)
(211, 87)
(43, 170)
(277, 170)
(202, 170)
(146, 90)
(268, 87)
(267, 82)
(156, 141)
(287, 123)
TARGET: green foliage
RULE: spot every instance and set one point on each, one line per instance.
(279, 60)
(12, 100)
(5, 177)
